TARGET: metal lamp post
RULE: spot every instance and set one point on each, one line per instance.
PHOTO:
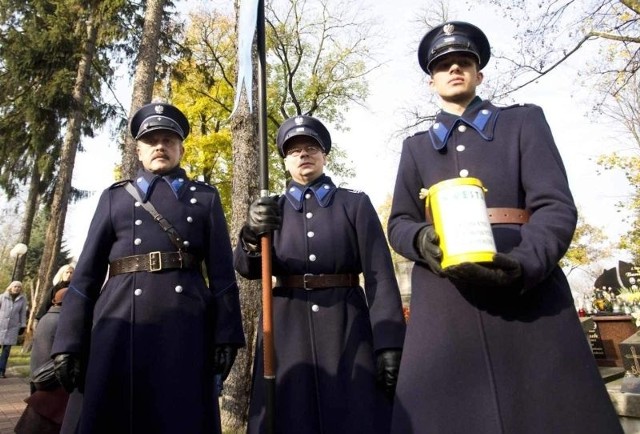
(17, 251)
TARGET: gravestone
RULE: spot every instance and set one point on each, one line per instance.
(624, 275)
(630, 354)
(592, 333)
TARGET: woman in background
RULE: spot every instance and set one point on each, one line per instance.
(13, 320)
(62, 276)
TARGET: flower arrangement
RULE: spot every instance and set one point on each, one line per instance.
(406, 313)
(629, 296)
(626, 301)
(632, 298)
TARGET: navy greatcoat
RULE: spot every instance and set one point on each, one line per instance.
(43, 338)
(325, 339)
(492, 362)
(149, 336)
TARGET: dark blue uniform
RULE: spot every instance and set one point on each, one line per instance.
(325, 338)
(493, 361)
(149, 335)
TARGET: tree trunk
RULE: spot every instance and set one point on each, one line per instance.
(144, 78)
(244, 132)
(62, 187)
(235, 403)
(25, 237)
(29, 215)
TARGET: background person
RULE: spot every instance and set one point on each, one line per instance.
(337, 344)
(46, 330)
(491, 347)
(143, 348)
(13, 321)
(63, 274)
(48, 400)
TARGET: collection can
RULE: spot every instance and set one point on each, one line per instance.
(459, 213)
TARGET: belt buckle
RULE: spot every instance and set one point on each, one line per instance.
(305, 280)
(155, 261)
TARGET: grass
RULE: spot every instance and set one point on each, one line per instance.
(19, 361)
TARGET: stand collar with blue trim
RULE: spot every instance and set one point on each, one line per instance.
(176, 179)
(322, 188)
(479, 115)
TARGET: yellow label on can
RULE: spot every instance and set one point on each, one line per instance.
(459, 213)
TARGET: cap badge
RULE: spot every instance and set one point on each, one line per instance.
(159, 109)
(299, 120)
(448, 29)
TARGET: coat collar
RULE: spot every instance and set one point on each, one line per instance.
(8, 296)
(479, 115)
(176, 179)
(322, 188)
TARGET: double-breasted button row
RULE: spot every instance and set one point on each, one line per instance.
(310, 234)
(138, 222)
(178, 289)
(461, 148)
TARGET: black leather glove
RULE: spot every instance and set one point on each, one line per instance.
(68, 371)
(503, 271)
(388, 365)
(250, 241)
(264, 216)
(223, 358)
(427, 243)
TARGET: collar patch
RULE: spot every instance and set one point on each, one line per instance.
(322, 191)
(483, 122)
(146, 185)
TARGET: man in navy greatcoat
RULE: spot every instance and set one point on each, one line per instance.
(337, 344)
(491, 347)
(142, 348)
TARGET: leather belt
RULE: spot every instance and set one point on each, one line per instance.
(310, 281)
(152, 262)
(508, 215)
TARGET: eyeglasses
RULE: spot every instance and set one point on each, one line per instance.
(311, 150)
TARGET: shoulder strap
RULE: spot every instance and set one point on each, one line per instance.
(174, 236)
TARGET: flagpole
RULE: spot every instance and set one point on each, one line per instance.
(267, 305)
